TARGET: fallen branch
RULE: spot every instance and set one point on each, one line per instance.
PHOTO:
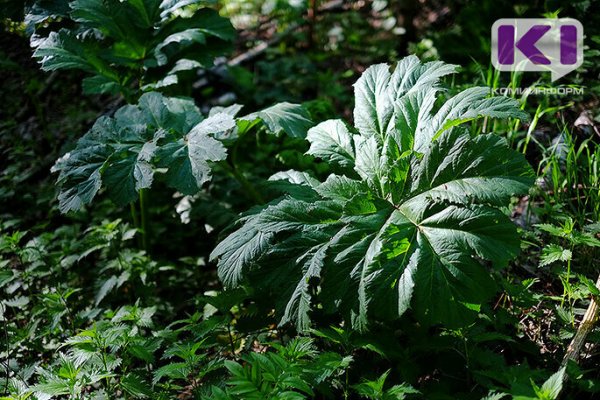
(585, 327)
(220, 67)
(263, 46)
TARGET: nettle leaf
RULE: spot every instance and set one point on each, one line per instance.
(413, 221)
(552, 253)
(122, 153)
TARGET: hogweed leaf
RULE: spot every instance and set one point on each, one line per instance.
(122, 153)
(410, 223)
(293, 119)
(470, 104)
(119, 42)
(373, 110)
(331, 141)
(187, 158)
(377, 92)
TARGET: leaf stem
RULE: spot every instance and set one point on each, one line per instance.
(256, 196)
(136, 221)
(231, 342)
(249, 188)
(346, 383)
(68, 309)
(144, 219)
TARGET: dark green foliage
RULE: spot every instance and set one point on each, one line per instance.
(403, 226)
(124, 151)
(375, 389)
(379, 261)
(122, 44)
(294, 371)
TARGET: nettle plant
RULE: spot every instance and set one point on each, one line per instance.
(128, 46)
(412, 219)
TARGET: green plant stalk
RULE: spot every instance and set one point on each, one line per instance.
(467, 359)
(144, 218)
(231, 341)
(347, 384)
(567, 292)
(107, 379)
(233, 170)
(252, 192)
(532, 126)
(136, 221)
(69, 312)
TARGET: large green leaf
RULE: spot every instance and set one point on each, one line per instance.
(412, 224)
(62, 50)
(122, 43)
(187, 159)
(377, 91)
(116, 19)
(293, 119)
(122, 153)
(332, 142)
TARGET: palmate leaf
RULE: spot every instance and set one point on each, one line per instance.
(62, 50)
(41, 11)
(410, 223)
(119, 42)
(293, 119)
(187, 158)
(122, 153)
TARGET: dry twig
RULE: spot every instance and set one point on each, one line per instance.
(585, 327)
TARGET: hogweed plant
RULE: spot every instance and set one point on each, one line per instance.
(120, 151)
(134, 49)
(170, 136)
(128, 47)
(165, 135)
(412, 219)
